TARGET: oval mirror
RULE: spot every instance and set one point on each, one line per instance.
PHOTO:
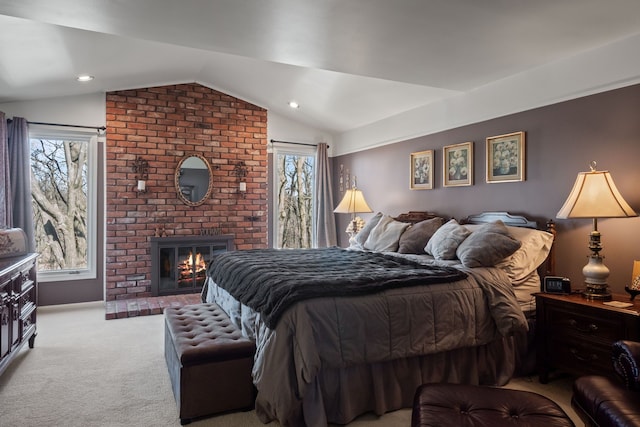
(194, 180)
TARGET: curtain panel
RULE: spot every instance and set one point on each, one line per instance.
(325, 220)
(20, 170)
(5, 176)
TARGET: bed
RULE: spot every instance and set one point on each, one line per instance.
(432, 315)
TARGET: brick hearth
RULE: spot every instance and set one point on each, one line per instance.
(134, 307)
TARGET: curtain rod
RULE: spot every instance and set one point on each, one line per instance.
(295, 143)
(98, 128)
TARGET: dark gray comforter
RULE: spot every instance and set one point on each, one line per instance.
(300, 365)
(270, 280)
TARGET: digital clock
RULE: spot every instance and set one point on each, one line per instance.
(557, 285)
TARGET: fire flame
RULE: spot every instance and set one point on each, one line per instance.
(199, 261)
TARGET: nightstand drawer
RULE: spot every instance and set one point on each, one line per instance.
(575, 335)
(586, 324)
(590, 357)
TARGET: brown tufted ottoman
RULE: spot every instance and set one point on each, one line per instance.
(458, 405)
(209, 361)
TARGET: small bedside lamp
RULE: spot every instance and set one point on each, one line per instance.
(594, 195)
(353, 202)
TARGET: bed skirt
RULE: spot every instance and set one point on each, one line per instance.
(342, 394)
(339, 394)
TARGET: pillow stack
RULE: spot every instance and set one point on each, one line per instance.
(518, 251)
(384, 234)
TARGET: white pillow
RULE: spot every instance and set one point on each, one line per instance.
(445, 241)
(360, 238)
(536, 245)
(385, 235)
(525, 288)
(535, 248)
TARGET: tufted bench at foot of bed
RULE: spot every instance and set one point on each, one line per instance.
(209, 361)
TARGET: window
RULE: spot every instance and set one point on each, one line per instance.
(63, 193)
(294, 196)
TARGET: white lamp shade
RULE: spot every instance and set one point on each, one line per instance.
(353, 202)
(594, 195)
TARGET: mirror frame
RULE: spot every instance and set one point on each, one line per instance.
(177, 181)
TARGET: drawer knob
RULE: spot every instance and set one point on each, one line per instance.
(590, 327)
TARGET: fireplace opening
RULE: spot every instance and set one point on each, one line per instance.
(179, 264)
(190, 269)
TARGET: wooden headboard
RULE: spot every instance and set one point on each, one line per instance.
(416, 216)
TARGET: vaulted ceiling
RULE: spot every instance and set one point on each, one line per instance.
(348, 63)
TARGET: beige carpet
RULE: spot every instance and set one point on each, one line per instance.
(87, 371)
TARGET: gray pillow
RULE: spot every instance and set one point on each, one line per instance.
(446, 239)
(488, 245)
(359, 239)
(415, 238)
(385, 235)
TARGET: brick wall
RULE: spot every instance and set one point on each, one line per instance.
(162, 125)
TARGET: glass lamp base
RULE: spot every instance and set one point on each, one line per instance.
(596, 274)
(597, 292)
(355, 225)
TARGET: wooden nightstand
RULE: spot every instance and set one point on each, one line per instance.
(575, 335)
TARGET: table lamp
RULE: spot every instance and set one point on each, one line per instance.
(594, 195)
(353, 202)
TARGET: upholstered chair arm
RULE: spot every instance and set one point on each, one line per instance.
(626, 363)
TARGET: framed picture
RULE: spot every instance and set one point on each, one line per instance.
(457, 165)
(422, 170)
(506, 158)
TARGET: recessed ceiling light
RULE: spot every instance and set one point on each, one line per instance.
(293, 104)
(84, 78)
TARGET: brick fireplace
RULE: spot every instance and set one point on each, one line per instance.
(162, 125)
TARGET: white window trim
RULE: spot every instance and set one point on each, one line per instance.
(92, 205)
(282, 148)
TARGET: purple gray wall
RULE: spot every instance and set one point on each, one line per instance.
(561, 140)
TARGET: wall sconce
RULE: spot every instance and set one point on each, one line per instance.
(141, 169)
(240, 170)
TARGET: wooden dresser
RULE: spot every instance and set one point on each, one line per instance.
(18, 299)
(574, 334)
